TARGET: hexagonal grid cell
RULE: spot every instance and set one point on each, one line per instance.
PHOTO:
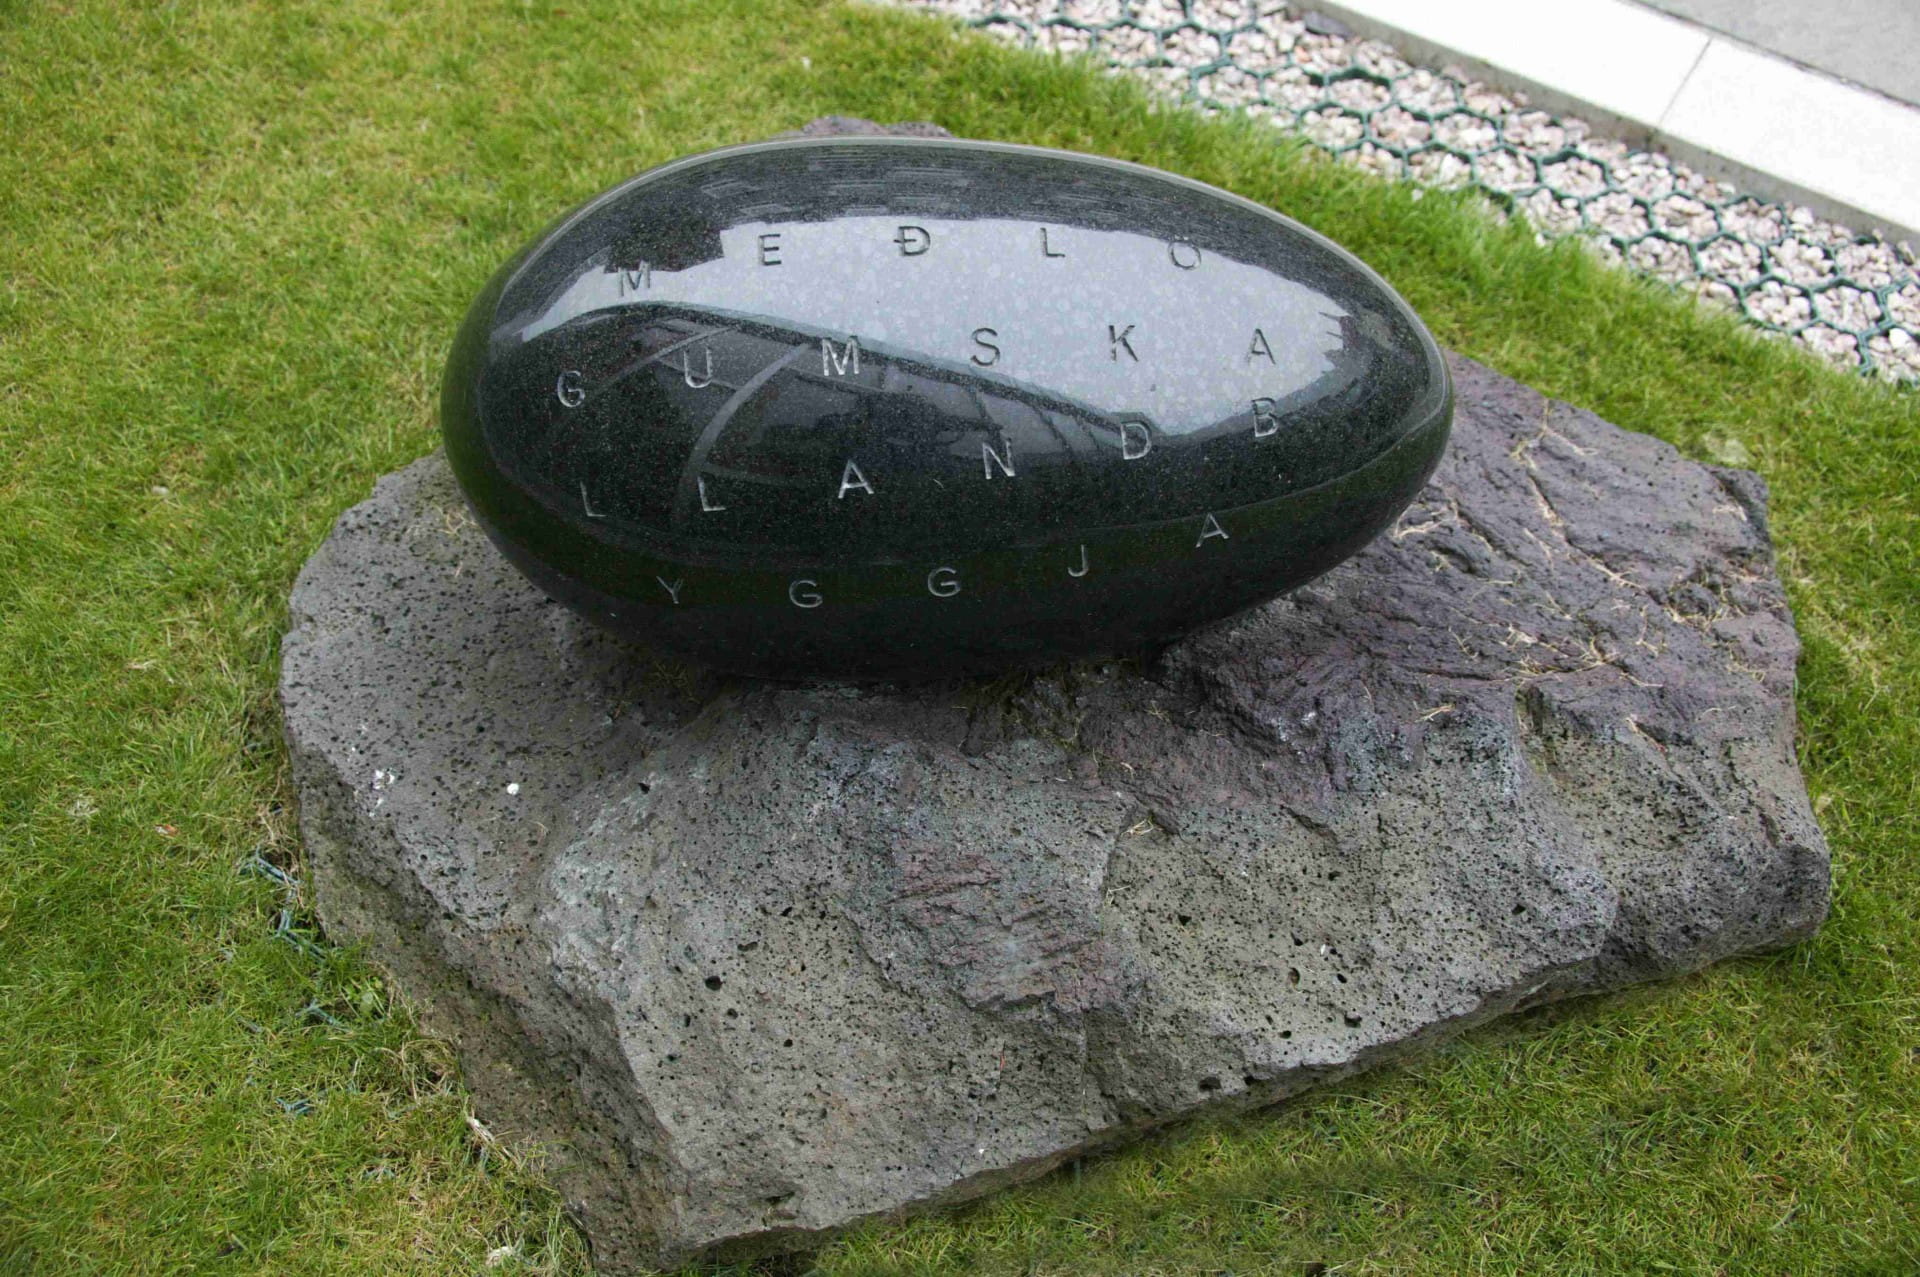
(1852, 298)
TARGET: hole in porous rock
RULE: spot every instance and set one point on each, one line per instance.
(1293, 975)
(1286, 1033)
(788, 1042)
(1209, 1083)
(714, 982)
(1341, 976)
(1353, 1021)
(1184, 918)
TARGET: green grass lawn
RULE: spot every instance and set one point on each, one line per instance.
(235, 243)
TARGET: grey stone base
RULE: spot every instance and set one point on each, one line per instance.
(752, 962)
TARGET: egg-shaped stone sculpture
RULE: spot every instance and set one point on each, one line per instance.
(893, 407)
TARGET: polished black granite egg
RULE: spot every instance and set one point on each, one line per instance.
(888, 407)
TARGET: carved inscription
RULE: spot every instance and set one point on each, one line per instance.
(837, 361)
(997, 460)
(851, 480)
(686, 369)
(983, 338)
(989, 458)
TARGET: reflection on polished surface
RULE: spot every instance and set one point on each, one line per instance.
(927, 391)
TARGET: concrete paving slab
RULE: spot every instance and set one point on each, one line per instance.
(1871, 43)
(1834, 142)
(1619, 62)
(1771, 125)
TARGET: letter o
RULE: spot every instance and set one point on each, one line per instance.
(803, 593)
(943, 583)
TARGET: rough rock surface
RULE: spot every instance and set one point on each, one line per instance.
(754, 961)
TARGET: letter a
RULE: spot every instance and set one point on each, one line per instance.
(1259, 347)
(851, 478)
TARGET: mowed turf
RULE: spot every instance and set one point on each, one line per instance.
(235, 243)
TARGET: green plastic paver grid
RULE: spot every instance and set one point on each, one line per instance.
(1852, 298)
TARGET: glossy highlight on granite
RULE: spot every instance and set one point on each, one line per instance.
(895, 408)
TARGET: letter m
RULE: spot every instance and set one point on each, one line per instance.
(834, 362)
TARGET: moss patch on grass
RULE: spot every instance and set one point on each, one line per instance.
(235, 242)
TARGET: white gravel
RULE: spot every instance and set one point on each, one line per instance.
(1839, 293)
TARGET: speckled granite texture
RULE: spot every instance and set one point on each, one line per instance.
(754, 961)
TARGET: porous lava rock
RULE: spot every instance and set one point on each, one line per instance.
(753, 961)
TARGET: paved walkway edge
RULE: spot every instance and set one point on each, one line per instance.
(1731, 111)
